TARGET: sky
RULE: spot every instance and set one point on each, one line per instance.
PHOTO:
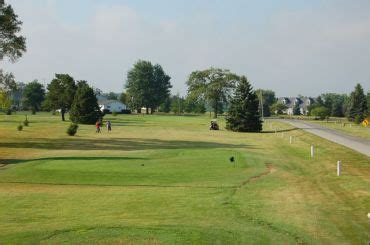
(294, 47)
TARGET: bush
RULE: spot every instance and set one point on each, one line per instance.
(20, 127)
(8, 111)
(358, 119)
(72, 129)
(320, 112)
(115, 113)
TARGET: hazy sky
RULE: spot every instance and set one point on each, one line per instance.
(292, 47)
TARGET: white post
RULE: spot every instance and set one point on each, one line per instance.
(290, 139)
(350, 125)
(312, 151)
(339, 168)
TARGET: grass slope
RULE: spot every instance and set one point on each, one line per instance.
(168, 180)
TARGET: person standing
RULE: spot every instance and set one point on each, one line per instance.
(97, 125)
(109, 126)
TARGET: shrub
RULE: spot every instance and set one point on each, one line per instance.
(72, 129)
(20, 127)
(115, 113)
(320, 112)
(8, 111)
(358, 119)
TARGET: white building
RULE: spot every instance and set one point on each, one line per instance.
(112, 106)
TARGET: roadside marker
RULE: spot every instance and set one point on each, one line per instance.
(312, 151)
(290, 139)
(339, 168)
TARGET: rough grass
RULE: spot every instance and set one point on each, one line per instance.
(168, 180)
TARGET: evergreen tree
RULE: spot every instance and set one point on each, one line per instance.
(85, 108)
(243, 115)
(357, 108)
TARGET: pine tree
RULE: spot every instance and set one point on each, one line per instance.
(243, 115)
(85, 108)
(357, 104)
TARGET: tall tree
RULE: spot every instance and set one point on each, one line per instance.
(34, 94)
(212, 85)
(85, 108)
(268, 98)
(147, 85)
(243, 114)
(161, 87)
(12, 44)
(61, 92)
(357, 104)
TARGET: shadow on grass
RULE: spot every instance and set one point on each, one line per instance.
(17, 161)
(122, 144)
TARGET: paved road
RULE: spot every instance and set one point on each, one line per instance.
(355, 143)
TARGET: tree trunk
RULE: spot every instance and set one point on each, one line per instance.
(147, 110)
(151, 110)
(62, 111)
(138, 110)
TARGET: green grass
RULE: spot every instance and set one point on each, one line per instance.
(349, 128)
(168, 180)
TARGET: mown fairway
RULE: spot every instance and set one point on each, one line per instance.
(168, 180)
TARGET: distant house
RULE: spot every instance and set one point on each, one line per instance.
(109, 106)
(290, 102)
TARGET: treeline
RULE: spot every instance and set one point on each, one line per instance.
(63, 94)
(355, 106)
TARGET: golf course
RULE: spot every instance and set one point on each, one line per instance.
(165, 179)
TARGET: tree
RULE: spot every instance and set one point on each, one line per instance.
(147, 85)
(111, 96)
(212, 85)
(61, 92)
(278, 108)
(11, 44)
(296, 109)
(85, 108)
(34, 95)
(7, 86)
(321, 112)
(165, 106)
(177, 104)
(357, 104)
(193, 105)
(335, 103)
(243, 114)
(5, 102)
(124, 98)
(161, 87)
(268, 99)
